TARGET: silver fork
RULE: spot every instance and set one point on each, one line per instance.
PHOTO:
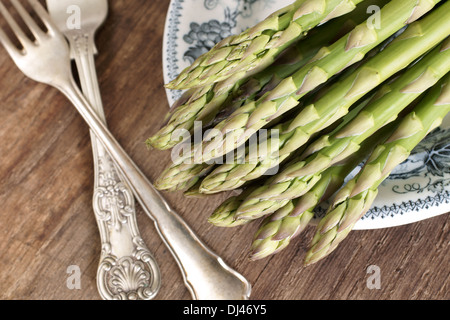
(113, 201)
(47, 60)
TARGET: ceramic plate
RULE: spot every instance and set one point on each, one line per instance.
(418, 189)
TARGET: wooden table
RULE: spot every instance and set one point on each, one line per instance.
(46, 173)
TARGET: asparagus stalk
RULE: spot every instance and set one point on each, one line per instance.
(185, 170)
(243, 123)
(202, 105)
(177, 177)
(257, 47)
(193, 191)
(182, 174)
(356, 198)
(418, 38)
(206, 103)
(300, 177)
(230, 176)
(277, 230)
(224, 215)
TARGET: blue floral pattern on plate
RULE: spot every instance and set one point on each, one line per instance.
(418, 189)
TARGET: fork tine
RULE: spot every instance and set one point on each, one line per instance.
(32, 25)
(8, 44)
(44, 16)
(14, 26)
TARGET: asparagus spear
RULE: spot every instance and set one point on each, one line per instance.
(179, 177)
(356, 198)
(201, 105)
(230, 176)
(185, 170)
(206, 103)
(298, 178)
(224, 215)
(193, 191)
(183, 173)
(257, 47)
(422, 35)
(277, 230)
(348, 50)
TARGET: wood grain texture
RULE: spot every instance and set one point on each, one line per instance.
(47, 223)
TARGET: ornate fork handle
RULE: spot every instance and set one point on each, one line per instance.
(127, 270)
(205, 274)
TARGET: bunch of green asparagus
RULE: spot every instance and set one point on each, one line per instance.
(287, 109)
